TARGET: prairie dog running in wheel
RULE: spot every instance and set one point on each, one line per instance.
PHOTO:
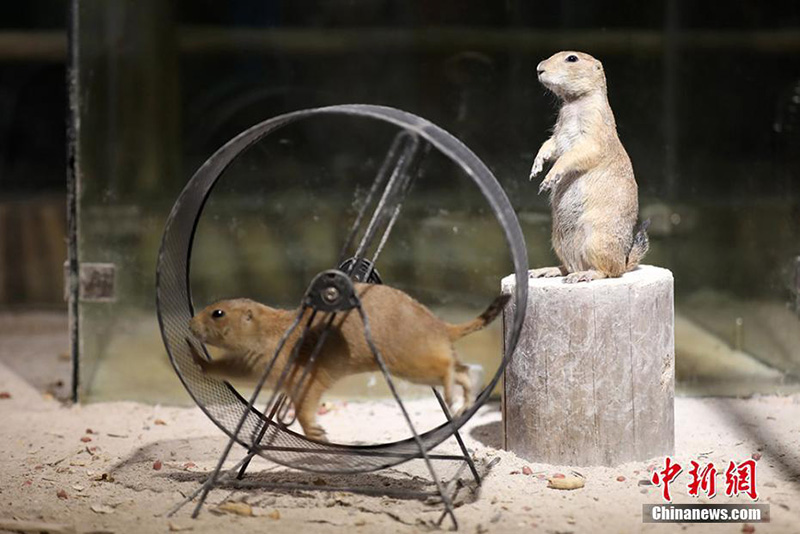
(414, 343)
(593, 192)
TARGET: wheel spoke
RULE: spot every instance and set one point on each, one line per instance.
(389, 162)
(404, 171)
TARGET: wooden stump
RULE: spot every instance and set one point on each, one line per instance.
(592, 379)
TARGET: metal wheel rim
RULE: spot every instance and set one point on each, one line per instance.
(174, 304)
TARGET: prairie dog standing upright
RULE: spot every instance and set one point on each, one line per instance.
(414, 343)
(593, 192)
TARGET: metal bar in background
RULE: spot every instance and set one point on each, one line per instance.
(328, 42)
(73, 174)
(43, 45)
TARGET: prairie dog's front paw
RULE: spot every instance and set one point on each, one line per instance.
(196, 358)
(550, 181)
(538, 164)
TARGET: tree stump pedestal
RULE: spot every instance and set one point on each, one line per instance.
(592, 379)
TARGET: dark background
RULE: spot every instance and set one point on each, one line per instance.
(706, 98)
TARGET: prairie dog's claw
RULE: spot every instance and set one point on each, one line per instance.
(580, 276)
(544, 186)
(317, 433)
(545, 272)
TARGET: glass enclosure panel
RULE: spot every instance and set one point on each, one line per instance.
(706, 104)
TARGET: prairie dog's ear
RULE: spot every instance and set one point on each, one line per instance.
(248, 315)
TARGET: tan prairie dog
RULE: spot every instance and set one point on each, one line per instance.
(593, 195)
(414, 343)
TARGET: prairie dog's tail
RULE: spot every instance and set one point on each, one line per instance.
(457, 331)
(641, 244)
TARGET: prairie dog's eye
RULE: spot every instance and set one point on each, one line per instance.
(572, 58)
(216, 314)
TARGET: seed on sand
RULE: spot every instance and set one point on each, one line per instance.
(565, 482)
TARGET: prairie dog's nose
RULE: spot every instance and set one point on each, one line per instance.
(540, 68)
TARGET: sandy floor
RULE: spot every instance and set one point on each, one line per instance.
(108, 482)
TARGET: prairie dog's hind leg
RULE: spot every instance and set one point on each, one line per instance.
(306, 403)
(448, 382)
(548, 272)
(606, 259)
(463, 379)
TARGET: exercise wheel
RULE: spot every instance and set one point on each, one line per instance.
(260, 432)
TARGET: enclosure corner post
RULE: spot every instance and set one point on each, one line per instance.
(71, 280)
